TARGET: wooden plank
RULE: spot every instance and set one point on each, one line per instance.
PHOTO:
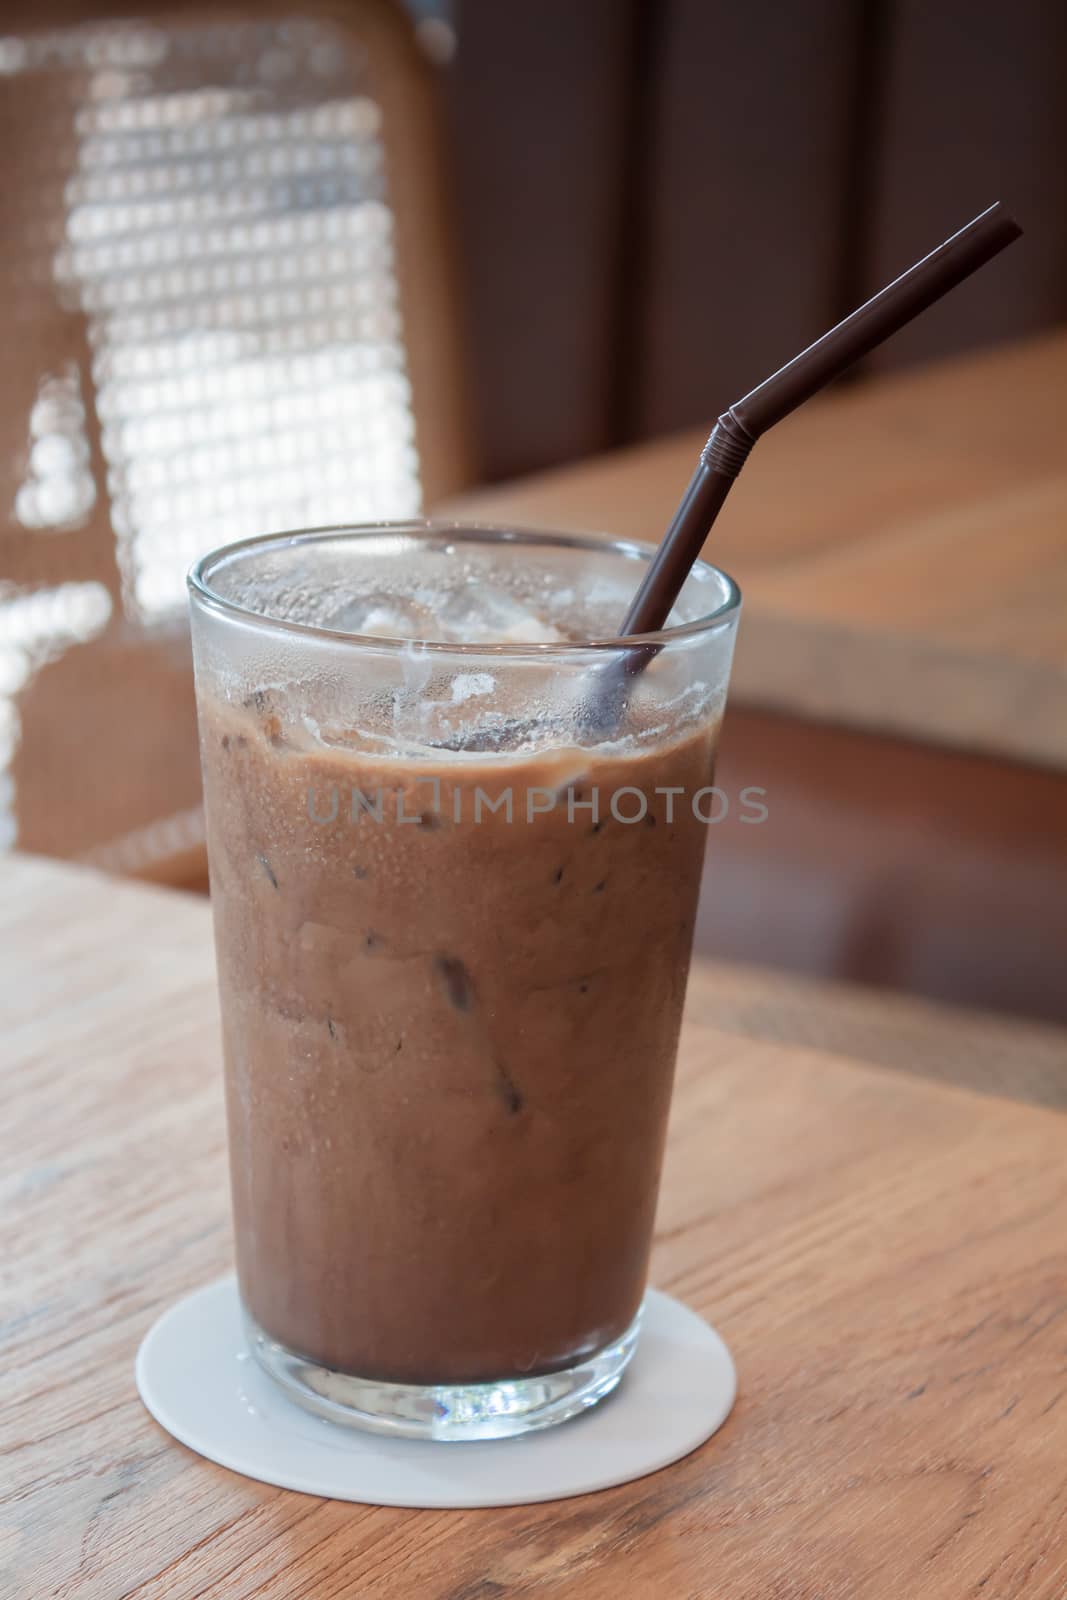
(1008, 1056)
(899, 545)
(973, 111)
(749, 150)
(883, 1255)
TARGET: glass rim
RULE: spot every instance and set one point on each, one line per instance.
(635, 550)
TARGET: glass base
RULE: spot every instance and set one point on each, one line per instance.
(470, 1411)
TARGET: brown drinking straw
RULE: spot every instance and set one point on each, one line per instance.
(742, 423)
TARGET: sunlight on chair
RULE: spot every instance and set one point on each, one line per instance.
(229, 239)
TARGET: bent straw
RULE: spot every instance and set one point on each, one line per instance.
(741, 424)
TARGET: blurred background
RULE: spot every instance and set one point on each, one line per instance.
(264, 269)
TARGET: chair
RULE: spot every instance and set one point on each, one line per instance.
(229, 307)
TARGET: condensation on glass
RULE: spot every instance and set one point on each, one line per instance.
(205, 202)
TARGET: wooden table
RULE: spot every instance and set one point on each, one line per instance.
(900, 682)
(884, 1255)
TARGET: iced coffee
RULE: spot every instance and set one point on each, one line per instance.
(453, 913)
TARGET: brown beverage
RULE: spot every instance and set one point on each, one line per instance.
(449, 1045)
(452, 980)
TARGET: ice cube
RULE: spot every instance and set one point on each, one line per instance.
(384, 617)
(483, 615)
(471, 686)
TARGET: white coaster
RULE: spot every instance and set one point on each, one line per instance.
(198, 1380)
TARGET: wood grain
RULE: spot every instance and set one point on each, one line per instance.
(884, 1256)
(901, 545)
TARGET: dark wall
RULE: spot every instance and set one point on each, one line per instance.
(540, 94)
(662, 199)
